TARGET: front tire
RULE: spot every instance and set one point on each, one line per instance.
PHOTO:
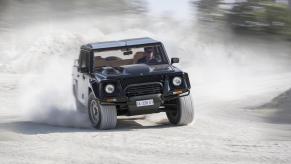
(101, 116)
(181, 111)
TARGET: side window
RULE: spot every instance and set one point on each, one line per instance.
(80, 59)
(83, 60)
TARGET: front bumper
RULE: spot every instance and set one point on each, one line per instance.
(158, 97)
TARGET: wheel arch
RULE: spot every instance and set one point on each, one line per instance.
(92, 89)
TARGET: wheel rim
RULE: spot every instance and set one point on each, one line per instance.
(94, 112)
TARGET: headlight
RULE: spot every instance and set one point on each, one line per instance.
(177, 81)
(109, 88)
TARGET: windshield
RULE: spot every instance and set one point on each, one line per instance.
(151, 55)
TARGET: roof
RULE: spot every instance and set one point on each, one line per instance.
(121, 43)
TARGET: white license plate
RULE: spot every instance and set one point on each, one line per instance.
(145, 103)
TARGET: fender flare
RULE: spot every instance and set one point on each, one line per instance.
(94, 87)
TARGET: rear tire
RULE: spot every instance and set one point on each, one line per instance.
(181, 111)
(101, 116)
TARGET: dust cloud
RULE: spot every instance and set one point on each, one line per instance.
(221, 65)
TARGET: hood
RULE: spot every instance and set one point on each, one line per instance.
(145, 69)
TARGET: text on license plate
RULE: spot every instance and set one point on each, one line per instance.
(145, 103)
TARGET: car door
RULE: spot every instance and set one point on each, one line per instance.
(83, 77)
(75, 78)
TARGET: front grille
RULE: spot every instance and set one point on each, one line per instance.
(144, 89)
(140, 79)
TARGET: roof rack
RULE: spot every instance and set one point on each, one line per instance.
(120, 43)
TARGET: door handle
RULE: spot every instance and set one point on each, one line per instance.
(78, 75)
(84, 77)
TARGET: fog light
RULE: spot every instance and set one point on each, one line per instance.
(177, 92)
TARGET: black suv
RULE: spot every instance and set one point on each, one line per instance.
(130, 77)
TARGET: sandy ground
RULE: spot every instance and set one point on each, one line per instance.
(223, 132)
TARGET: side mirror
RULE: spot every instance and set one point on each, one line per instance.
(175, 60)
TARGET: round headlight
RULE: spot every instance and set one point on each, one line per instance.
(177, 81)
(109, 88)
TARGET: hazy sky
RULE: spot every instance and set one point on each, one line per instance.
(173, 8)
